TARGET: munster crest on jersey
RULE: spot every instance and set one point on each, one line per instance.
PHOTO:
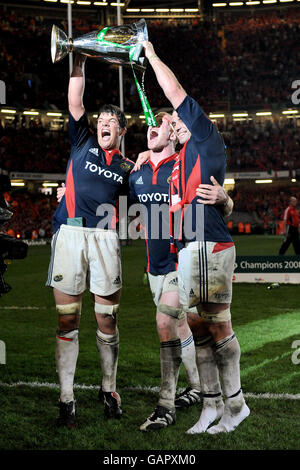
(125, 166)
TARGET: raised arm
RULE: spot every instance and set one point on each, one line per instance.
(165, 77)
(76, 87)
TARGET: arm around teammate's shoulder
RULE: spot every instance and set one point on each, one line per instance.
(215, 194)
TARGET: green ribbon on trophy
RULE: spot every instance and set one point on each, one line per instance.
(149, 115)
(120, 45)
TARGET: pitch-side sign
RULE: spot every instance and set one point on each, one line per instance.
(281, 269)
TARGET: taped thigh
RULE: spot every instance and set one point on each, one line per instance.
(103, 309)
(173, 312)
(222, 316)
(186, 310)
(69, 309)
(182, 315)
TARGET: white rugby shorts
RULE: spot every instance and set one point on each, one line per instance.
(85, 257)
(205, 271)
(162, 283)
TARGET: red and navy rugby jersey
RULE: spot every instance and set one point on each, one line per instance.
(150, 188)
(94, 178)
(202, 156)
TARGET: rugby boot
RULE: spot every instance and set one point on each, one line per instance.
(187, 398)
(160, 418)
(67, 415)
(112, 404)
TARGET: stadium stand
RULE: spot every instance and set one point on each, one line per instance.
(32, 215)
(262, 208)
(243, 68)
(243, 64)
(252, 145)
(262, 145)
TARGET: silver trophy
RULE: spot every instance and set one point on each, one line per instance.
(117, 44)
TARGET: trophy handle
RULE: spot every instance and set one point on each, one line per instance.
(142, 31)
(137, 51)
(60, 44)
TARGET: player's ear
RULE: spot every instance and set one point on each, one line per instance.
(173, 137)
(123, 131)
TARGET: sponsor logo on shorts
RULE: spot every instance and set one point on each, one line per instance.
(192, 293)
(174, 281)
(58, 277)
(117, 280)
(222, 296)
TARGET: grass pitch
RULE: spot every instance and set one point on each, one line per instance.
(267, 323)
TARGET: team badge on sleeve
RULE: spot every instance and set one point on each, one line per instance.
(125, 166)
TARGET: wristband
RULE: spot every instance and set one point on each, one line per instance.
(154, 56)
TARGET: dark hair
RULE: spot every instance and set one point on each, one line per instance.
(115, 110)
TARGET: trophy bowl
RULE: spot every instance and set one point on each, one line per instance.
(60, 44)
(111, 44)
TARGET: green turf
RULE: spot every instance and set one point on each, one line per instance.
(259, 245)
(265, 321)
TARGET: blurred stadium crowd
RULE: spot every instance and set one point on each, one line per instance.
(32, 215)
(235, 61)
(261, 209)
(252, 145)
(249, 60)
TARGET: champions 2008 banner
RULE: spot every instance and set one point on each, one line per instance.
(281, 269)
